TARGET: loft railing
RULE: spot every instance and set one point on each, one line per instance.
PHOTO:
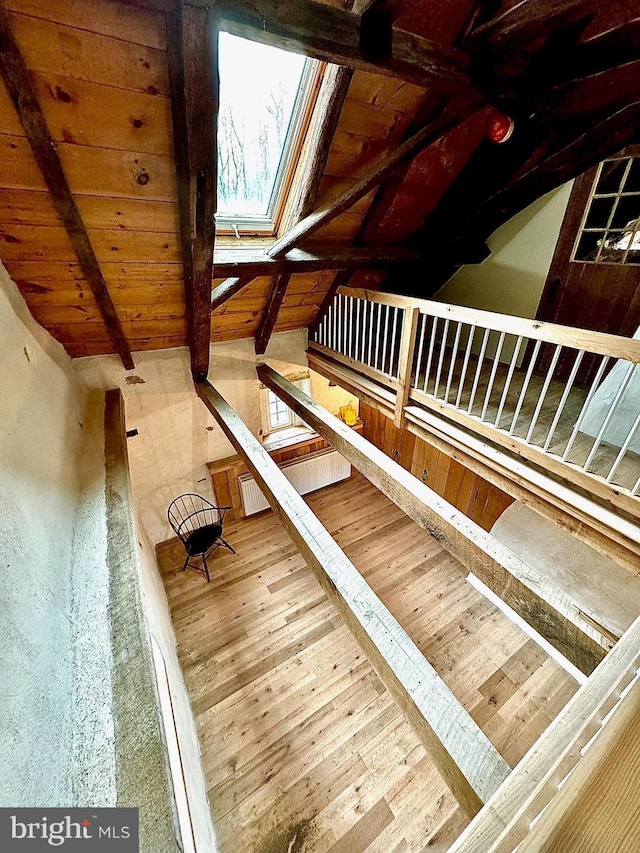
(567, 399)
(506, 820)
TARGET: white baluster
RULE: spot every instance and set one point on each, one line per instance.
(564, 398)
(507, 384)
(492, 377)
(443, 347)
(525, 386)
(423, 322)
(596, 444)
(483, 348)
(454, 355)
(583, 411)
(434, 329)
(624, 448)
(543, 393)
(465, 364)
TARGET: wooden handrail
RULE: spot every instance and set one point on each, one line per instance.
(581, 339)
(505, 820)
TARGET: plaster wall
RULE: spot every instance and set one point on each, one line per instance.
(511, 280)
(156, 609)
(42, 427)
(176, 435)
(603, 589)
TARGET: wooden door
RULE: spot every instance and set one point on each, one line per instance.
(594, 278)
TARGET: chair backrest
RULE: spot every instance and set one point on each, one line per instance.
(190, 512)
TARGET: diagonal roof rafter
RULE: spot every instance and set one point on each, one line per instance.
(24, 97)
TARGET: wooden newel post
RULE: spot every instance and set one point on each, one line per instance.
(407, 346)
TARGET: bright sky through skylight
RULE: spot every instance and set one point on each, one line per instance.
(258, 87)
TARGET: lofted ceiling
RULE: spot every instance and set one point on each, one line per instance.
(121, 261)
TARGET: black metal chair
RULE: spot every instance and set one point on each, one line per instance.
(198, 525)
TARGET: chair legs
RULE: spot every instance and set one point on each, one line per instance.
(226, 544)
(204, 567)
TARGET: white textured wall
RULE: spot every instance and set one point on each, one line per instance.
(41, 418)
(157, 612)
(511, 280)
(176, 434)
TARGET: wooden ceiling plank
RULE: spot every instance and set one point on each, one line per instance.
(272, 309)
(372, 179)
(334, 35)
(22, 92)
(468, 762)
(228, 288)
(194, 82)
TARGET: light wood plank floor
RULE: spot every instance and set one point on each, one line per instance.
(303, 748)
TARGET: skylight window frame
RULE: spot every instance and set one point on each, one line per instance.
(267, 225)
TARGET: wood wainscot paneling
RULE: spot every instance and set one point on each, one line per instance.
(478, 499)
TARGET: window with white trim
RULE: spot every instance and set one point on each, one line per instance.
(266, 96)
(276, 415)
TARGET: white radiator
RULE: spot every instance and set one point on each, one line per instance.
(305, 474)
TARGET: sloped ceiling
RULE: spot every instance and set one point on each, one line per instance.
(568, 73)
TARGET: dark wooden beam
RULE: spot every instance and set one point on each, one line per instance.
(479, 552)
(272, 309)
(605, 139)
(193, 75)
(611, 49)
(333, 92)
(228, 288)
(23, 94)
(528, 20)
(427, 111)
(405, 152)
(496, 184)
(470, 765)
(242, 263)
(334, 35)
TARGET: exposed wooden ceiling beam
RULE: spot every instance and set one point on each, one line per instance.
(427, 111)
(228, 288)
(494, 186)
(527, 21)
(477, 550)
(333, 92)
(611, 49)
(470, 765)
(193, 76)
(272, 308)
(246, 262)
(23, 94)
(406, 151)
(335, 35)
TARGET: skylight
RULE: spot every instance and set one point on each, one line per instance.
(264, 94)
